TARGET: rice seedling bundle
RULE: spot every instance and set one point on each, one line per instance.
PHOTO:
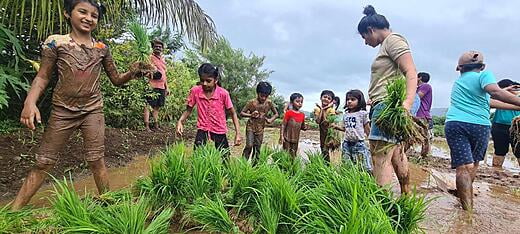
(333, 138)
(143, 47)
(396, 121)
(514, 131)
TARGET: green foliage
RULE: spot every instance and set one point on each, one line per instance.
(142, 42)
(16, 221)
(281, 196)
(212, 215)
(396, 121)
(8, 126)
(173, 41)
(76, 215)
(168, 179)
(241, 72)
(438, 126)
(180, 80)
(123, 106)
(11, 73)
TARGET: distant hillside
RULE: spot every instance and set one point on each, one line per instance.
(438, 111)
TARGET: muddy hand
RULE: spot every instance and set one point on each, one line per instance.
(238, 140)
(29, 114)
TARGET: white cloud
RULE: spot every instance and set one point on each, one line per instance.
(280, 32)
(314, 45)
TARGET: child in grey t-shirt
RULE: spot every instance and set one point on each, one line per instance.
(356, 127)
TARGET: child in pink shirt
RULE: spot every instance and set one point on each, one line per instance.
(212, 103)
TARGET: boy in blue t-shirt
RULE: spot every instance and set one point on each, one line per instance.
(467, 121)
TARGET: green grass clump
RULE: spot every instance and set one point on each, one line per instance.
(212, 215)
(396, 121)
(142, 41)
(333, 138)
(88, 215)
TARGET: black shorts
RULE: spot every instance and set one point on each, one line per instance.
(220, 140)
(158, 99)
(502, 139)
(468, 142)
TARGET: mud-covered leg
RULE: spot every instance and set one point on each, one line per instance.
(464, 181)
(32, 183)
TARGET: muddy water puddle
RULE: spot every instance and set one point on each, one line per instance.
(122, 177)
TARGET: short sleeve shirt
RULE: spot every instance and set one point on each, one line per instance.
(211, 111)
(426, 101)
(469, 100)
(385, 66)
(294, 121)
(78, 68)
(505, 116)
(355, 125)
(256, 125)
(160, 64)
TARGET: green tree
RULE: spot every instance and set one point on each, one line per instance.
(240, 71)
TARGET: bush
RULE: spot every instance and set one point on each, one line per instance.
(123, 106)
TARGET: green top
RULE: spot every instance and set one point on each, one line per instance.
(505, 116)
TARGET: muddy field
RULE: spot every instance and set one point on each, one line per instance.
(497, 190)
(122, 145)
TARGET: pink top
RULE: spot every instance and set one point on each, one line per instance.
(160, 64)
(212, 111)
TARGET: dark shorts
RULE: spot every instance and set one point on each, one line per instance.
(220, 140)
(156, 98)
(468, 142)
(502, 139)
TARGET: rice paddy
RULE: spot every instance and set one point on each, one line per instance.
(201, 191)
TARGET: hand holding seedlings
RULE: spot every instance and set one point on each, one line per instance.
(30, 113)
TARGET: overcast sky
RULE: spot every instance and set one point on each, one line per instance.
(313, 45)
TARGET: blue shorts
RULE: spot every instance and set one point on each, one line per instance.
(375, 133)
(357, 152)
(468, 142)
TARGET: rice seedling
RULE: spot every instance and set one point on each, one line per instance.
(89, 216)
(206, 172)
(333, 138)
(244, 181)
(168, 179)
(285, 162)
(17, 221)
(212, 215)
(396, 121)
(143, 46)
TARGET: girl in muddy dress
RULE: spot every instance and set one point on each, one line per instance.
(77, 101)
(394, 57)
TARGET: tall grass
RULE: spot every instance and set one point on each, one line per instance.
(212, 215)
(168, 179)
(76, 215)
(206, 172)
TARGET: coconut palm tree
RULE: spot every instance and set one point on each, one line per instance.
(46, 16)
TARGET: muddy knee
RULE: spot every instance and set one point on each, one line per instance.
(44, 166)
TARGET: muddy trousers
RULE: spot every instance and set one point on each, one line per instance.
(290, 147)
(253, 145)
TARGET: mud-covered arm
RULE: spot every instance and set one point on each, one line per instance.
(112, 73)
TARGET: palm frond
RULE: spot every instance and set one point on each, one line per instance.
(186, 16)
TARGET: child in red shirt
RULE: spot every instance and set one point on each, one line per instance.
(293, 122)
